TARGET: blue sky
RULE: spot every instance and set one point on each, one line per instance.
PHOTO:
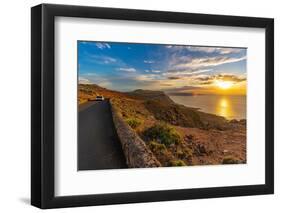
(129, 66)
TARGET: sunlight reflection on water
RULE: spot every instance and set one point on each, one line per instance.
(230, 107)
(224, 108)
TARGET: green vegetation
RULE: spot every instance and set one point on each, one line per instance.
(163, 134)
(229, 160)
(177, 163)
(133, 122)
(163, 126)
(157, 147)
(185, 153)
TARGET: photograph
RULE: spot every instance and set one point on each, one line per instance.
(139, 105)
(146, 105)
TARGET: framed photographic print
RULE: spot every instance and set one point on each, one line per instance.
(140, 106)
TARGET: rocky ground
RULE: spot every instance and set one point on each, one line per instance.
(215, 146)
(180, 135)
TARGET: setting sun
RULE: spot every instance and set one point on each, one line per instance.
(158, 92)
(224, 84)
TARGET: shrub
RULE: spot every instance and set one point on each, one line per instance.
(188, 152)
(133, 122)
(177, 163)
(156, 147)
(180, 154)
(184, 153)
(229, 160)
(163, 134)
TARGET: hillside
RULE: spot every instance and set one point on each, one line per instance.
(140, 103)
(176, 134)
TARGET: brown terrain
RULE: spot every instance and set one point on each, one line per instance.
(177, 135)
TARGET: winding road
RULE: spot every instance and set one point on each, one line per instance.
(98, 144)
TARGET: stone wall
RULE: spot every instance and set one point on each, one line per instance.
(136, 153)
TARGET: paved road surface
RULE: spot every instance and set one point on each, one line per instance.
(98, 144)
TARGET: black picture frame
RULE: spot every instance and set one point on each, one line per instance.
(43, 117)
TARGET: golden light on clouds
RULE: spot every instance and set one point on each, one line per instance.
(221, 87)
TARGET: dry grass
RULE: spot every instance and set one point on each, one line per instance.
(204, 138)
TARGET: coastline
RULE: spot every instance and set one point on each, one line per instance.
(176, 134)
(227, 106)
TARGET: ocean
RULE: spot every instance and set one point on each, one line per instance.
(230, 107)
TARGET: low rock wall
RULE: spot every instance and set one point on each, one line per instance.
(137, 154)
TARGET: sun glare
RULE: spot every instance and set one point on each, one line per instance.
(224, 84)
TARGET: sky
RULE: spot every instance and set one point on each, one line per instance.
(171, 68)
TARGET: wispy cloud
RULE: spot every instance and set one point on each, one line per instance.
(149, 77)
(174, 77)
(191, 61)
(218, 50)
(198, 62)
(159, 67)
(103, 45)
(145, 77)
(155, 71)
(210, 79)
(101, 59)
(149, 61)
(83, 80)
(130, 69)
(181, 73)
(93, 78)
